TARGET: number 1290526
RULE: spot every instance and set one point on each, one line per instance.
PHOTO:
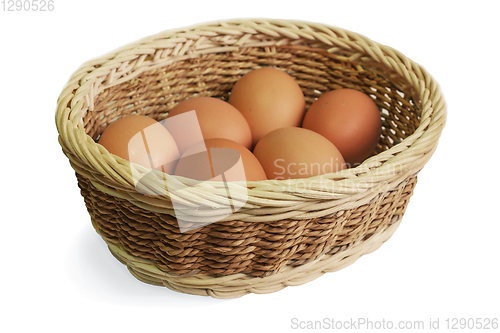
(27, 5)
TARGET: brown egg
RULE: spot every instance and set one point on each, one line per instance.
(216, 118)
(141, 140)
(295, 152)
(349, 119)
(219, 160)
(269, 99)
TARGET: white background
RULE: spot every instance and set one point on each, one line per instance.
(57, 274)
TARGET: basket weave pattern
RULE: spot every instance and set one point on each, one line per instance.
(236, 246)
(287, 232)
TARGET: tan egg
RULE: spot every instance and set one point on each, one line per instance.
(350, 120)
(219, 160)
(295, 152)
(269, 99)
(216, 118)
(141, 140)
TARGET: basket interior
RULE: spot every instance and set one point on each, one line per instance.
(153, 93)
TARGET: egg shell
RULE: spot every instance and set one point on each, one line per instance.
(269, 99)
(295, 152)
(348, 118)
(141, 140)
(216, 118)
(219, 160)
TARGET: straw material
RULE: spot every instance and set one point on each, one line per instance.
(287, 232)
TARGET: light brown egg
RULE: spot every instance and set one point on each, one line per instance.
(219, 160)
(216, 118)
(349, 119)
(269, 99)
(141, 140)
(295, 152)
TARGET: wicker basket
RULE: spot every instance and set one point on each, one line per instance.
(287, 232)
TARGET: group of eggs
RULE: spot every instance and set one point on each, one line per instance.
(263, 127)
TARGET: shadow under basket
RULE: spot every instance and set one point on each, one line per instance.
(286, 232)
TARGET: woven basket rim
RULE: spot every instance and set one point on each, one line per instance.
(401, 161)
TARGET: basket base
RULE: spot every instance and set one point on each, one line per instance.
(237, 285)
